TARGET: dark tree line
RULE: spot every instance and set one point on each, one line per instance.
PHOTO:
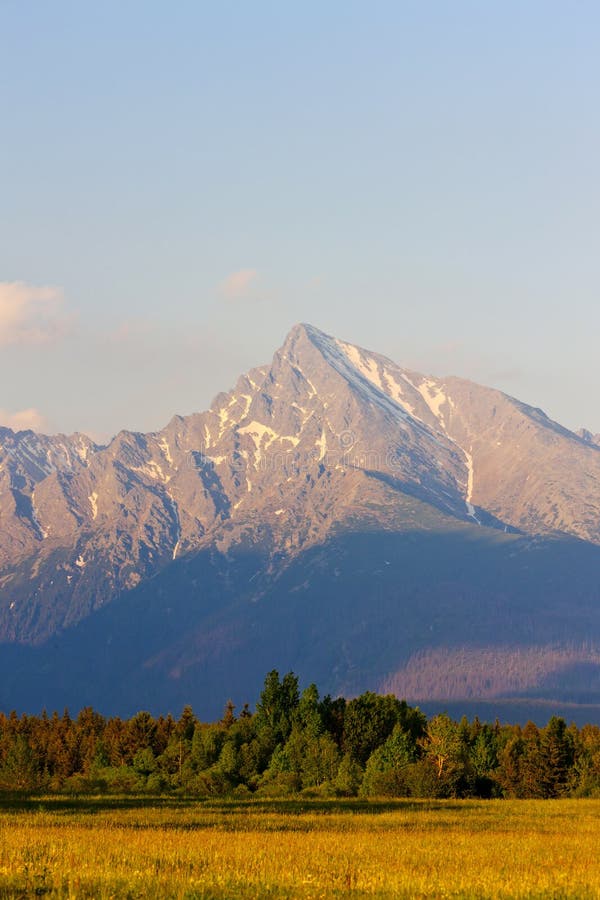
(371, 745)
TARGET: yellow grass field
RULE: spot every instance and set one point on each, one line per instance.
(110, 847)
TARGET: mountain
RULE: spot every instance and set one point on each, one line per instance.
(335, 513)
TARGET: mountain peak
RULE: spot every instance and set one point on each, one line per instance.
(303, 332)
(304, 328)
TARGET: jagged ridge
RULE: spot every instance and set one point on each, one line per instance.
(329, 436)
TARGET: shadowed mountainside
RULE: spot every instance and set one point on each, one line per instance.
(354, 614)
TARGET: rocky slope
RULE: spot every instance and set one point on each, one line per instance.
(588, 437)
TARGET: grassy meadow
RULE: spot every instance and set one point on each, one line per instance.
(112, 847)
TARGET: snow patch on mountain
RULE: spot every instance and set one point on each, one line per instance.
(153, 471)
(263, 436)
(434, 397)
(321, 445)
(164, 446)
(470, 508)
(247, 398)
(223, 415)
(42, 532)
(216, 460)
(359, 377)
(394, 389)
(364, 363)
(31, 451)
(82, 449)
(174, 509)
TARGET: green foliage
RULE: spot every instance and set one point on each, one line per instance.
(445, 751)
(144, 762)
(372, 745)
(308, 714)
(557, 746)
(386, 770)
(369, 720)
(349, 777)
(277, 705)
(333, 713)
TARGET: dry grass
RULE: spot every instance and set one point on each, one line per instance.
(103, 849)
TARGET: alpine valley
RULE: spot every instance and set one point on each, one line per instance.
(336, 515)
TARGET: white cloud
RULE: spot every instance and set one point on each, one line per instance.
(31, 314)
(238, 285)
(23, 420)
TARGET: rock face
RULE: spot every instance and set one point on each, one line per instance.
(328, 443)
(588, 437)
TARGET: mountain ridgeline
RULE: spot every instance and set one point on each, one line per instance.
(334, 513)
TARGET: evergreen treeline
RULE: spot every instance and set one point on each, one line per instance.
(369, 746)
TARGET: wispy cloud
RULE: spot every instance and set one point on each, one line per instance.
(24, 419)
(238, 285)
(31, 315)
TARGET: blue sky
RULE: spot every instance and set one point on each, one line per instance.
(181, 183)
